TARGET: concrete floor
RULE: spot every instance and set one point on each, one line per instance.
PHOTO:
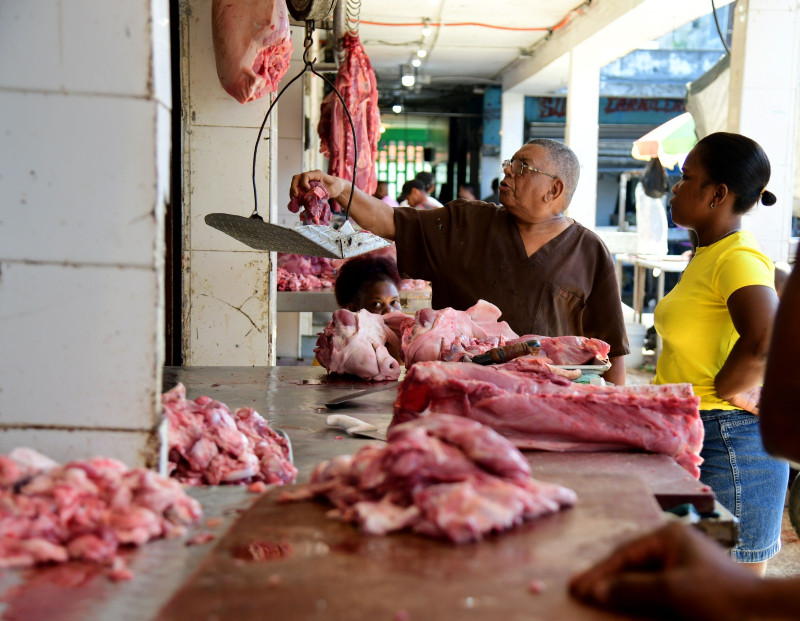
(787, 562)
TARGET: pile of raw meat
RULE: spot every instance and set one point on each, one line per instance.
(412, 284)
(84, 510)
(445, 334)
(443, 476)
(290, 281)
(252, 46)
(357, 85)
(539, 410)
(314, 205)
(306, 265)
(356, 343)
(298, 272)
(208, 445)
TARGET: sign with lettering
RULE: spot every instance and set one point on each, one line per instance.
(613, 110)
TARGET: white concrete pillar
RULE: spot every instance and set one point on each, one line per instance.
(84, 179)
(764, 86)
(512, 124)
(581, 132)
(229, 312)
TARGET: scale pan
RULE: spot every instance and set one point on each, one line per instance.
(313, 239)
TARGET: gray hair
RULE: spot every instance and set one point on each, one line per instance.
(565, 163)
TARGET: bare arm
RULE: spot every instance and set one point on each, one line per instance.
(369, 212)
(752, 310)
(780, 416)
(616, 374)
(678, 573)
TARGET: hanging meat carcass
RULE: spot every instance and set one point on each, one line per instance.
(252, 46)
(356, 83)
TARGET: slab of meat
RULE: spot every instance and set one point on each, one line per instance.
(570, 350)
(545, 412)
(357, 85)
(289, 281)
(252, 46)
(314, 205)
(208, 445)
(444, 476)
(540, 365)
(448, 334)
(355, 343)
(86, 510)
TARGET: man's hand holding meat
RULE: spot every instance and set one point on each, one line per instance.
(369, 212)
(547, 273)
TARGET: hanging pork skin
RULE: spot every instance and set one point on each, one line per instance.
(252, 46)
(357, 84)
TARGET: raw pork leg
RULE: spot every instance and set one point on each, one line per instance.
(545, 412)
(356, 343)
(252, 46)
(449, 334)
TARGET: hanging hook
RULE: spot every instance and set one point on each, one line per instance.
(307, 43)
(308, 66)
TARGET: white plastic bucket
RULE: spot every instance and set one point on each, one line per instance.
(636, 336)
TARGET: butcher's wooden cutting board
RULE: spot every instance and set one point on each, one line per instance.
(670, 483)
(317, 568)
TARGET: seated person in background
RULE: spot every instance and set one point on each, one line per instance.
(678, 573)
(467, 192)
(494, 197)
(382, 192)
(370, 283)
(415, 195)
(429, 180)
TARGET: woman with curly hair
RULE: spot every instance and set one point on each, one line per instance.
(368, 282)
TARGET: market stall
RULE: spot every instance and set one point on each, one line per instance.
(328, 569)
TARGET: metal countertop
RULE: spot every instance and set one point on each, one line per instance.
(291, 398)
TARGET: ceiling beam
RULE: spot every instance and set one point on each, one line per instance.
(611, 27)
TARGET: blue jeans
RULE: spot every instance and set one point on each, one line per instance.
(746, 480)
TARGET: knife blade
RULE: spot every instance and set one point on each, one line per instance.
(505, 353)
(342, 401)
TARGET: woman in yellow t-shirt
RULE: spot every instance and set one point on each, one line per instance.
(715, 326)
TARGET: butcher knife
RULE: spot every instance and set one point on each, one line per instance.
(498, 355)
(343, 401)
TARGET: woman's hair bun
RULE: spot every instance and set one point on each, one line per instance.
(768, 198)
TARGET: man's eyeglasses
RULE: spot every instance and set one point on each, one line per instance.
(517, 166)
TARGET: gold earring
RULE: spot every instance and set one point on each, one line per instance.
(713, 206)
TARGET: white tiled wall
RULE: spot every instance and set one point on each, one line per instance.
(227, 313)
(84, 172)
(78, 178)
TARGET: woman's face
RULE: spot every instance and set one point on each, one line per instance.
(379, 297)
(693, 194)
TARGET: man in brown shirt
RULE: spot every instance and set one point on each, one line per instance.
(548, 274)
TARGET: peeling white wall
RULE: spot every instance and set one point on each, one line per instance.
(84, 176)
